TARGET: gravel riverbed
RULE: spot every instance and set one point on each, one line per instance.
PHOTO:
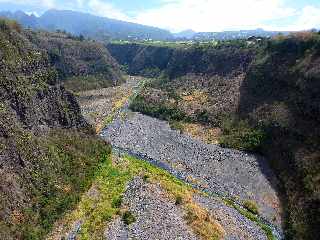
(228, 172)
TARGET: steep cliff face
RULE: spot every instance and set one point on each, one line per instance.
(47, 150)
(178, 61)
(139, 59)
(272, 86)
(28, 87)
(281, 92)
(81, 64)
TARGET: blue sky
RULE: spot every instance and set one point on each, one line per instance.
(199, 15)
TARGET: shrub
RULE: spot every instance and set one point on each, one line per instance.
(202, 116)
(251, 206)
(178, 200)
(176, 125)
(145, 178)
(240, 135)
(85, 83)
(116, 203)
(159, 110)
(128, 218)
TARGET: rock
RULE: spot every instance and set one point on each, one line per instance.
(157, 217)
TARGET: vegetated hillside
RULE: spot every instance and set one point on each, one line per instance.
(281, 93)
(178, 60)
(95, 27)
(266, 99)
(48, 153)
(81, 64)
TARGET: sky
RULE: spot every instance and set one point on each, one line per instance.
(198, 15)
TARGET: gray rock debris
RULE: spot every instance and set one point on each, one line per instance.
(157, 217)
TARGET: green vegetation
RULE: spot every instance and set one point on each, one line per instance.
(128, 218)
(57, 177)
(49, 154)
(162, 111)
(8, 24)
(146, 178)
(63, 173)
(116, 203)
(240, 135)
(177, 125)
(155, 43)
(235, 134)
(251, 206)
(240, 43)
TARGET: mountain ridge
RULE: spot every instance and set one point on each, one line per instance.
(78, 23)
(105, 29)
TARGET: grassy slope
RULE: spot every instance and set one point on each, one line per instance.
(60, 167)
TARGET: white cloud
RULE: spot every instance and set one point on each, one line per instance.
(37, 3)
(199, 15)
(308, 18)
(214, 15)
(105, 9)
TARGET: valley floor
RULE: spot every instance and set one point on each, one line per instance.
(191, 190)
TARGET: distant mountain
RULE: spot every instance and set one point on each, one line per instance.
(30, 21)
(242, 34)
(105, 29)
(95, 27)
(187, 34)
